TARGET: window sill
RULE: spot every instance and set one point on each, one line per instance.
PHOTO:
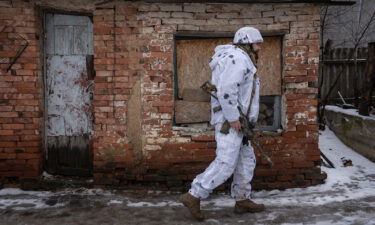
(267, 133)
(210, 131)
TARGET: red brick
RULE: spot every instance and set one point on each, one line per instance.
(108, 139)
(23, 96)
(295, 109)
(295, 61)
(28, 144)
(104, 74)
(295, 134)
(101, 103)
(104, 97)
(6, 132)
(100, 30)
(163, 103)
(10, 78)
(11, 174)
(197, 145)
(265, 172)
(32, 174)
(314, 157)
(7, 144)
(13, 126)
(203, 138)
(307, 90)
(31, 137)
(7, 155)
(123, 85)
(26, 102)
(292, 171)
(307, 128)
(25, 30)
(8, 114)
(10, 138)
(24, 73)
(31, 114)
(285, 178)
(6, 108)
(306, 164)
(17, 161)
(28, 156)
(165, 109)
(296, 72)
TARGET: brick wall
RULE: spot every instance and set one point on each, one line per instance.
(21, 106)
(162, 153)
(135, 140)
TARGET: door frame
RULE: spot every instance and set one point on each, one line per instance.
(43, 12)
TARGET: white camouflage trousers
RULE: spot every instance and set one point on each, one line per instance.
(232, 157)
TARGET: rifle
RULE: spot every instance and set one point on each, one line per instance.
(247, 128)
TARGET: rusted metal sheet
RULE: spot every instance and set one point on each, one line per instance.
(69, 83)
(194, 55)
(192, 112)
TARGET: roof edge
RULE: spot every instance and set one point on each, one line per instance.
(326, 2)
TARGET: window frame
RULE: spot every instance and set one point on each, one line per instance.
(190, 35)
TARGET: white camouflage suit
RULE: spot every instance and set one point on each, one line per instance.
(233, 75)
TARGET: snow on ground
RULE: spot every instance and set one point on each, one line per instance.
(352, 112)
(343, 183)
(343, 186)
(18, 199)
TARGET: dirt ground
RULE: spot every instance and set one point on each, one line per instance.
(82, 206)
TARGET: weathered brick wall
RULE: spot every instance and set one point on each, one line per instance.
(134, 94)
(116, 64)
(21, 104)
(167, 155)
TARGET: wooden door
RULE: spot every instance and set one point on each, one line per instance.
(68, 92)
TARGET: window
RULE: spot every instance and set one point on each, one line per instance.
(192, 55)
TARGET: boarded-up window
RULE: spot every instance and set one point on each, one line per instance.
(192, 70)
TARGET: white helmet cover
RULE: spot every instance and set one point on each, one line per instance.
(247, 35)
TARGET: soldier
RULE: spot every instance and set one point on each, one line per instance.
(233, 73)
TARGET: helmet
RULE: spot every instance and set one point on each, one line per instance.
(247, 35)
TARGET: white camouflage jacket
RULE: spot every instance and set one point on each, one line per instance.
(233, 75)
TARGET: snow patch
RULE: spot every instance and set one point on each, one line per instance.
(151, 204)
(18, 191)
(114, 201)
(351, 112)
(342, 183)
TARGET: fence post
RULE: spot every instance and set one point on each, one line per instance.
(367, 81)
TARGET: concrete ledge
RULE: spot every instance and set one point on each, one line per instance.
(356, 131)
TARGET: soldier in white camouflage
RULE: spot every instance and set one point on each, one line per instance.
(234, 75)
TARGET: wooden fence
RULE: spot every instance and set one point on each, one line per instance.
(340, 62)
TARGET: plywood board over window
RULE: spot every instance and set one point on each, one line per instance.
(192, 58)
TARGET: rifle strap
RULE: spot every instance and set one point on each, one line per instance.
(254, 59)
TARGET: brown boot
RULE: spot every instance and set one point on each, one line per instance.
(193, 204)
(247, 205)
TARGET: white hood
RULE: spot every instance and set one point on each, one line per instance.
(220, 51)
